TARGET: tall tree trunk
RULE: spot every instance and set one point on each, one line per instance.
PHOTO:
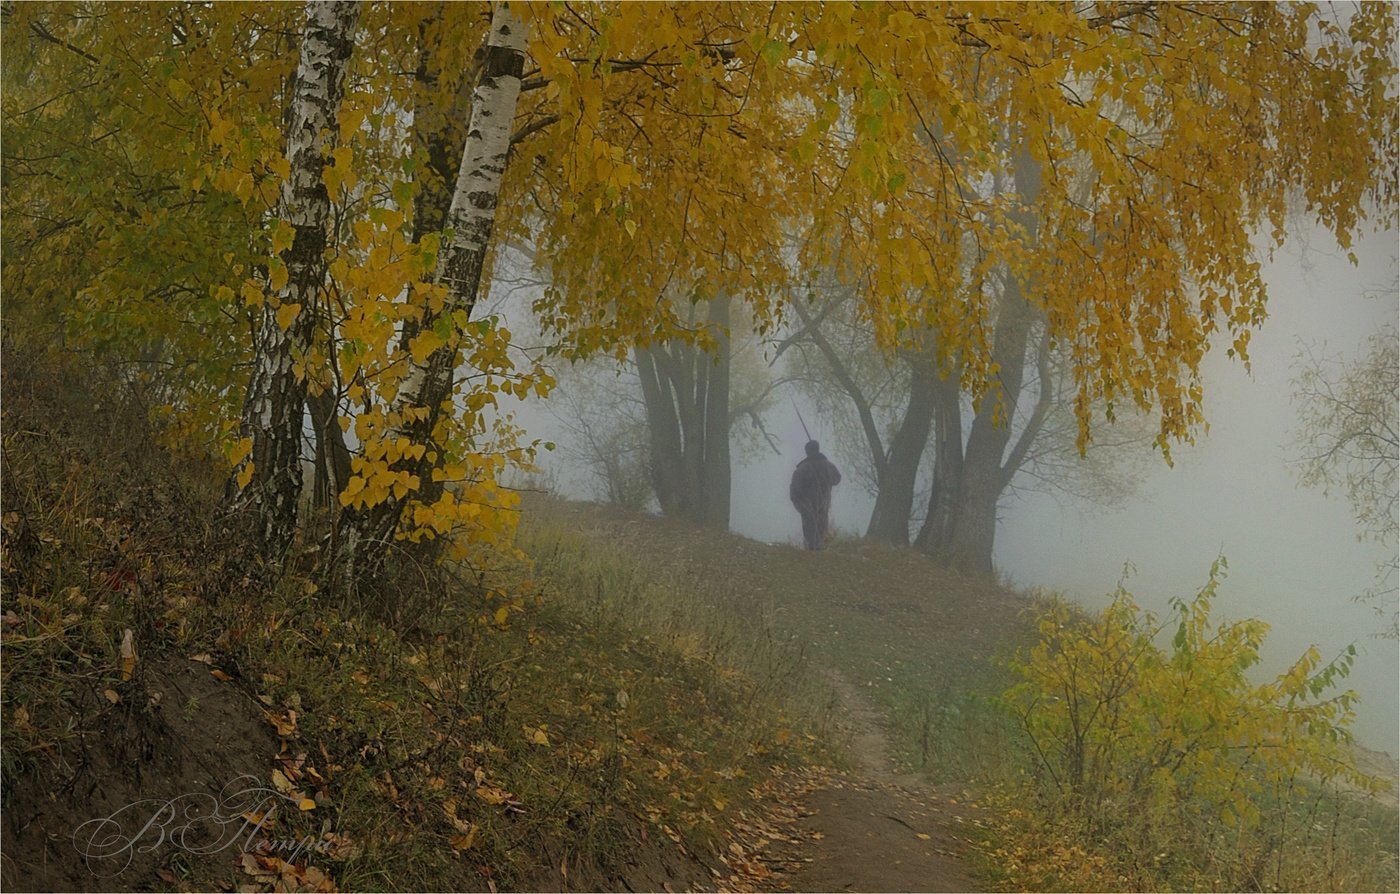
(969, 548)
(686, 393)
(894, 502)
(677, 363)
(960, 529)
(438, 135)
(663, 434)
(274, 407)
(438, 132)
(969, 480)
(332, 454)
(937, 530)
(715, 477)
(367, 533)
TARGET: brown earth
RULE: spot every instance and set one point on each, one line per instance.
(177, 735)
(872, 827)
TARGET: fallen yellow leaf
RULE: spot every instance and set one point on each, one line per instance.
(464, 842)
(286, 725)
(492, 795)
(449, 807)
(281, 782)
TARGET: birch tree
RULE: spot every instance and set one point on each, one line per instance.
(267, 479)
(404, 458)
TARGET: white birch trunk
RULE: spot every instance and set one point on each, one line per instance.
(367, 534)
(274, 406)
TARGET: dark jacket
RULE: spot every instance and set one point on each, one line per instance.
(812, 481)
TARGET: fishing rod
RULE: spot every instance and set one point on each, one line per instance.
(800, 419)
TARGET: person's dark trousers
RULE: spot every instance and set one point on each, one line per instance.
(812, 531)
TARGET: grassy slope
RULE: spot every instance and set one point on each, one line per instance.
(929, 646)
(600, 739)
(652, 677)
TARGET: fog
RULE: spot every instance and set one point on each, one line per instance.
(1293, 553)
(1294, 556)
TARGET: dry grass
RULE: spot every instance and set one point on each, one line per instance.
(600, 739)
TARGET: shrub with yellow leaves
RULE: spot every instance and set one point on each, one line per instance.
(1171, 757)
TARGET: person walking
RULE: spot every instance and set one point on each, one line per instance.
(810, 492)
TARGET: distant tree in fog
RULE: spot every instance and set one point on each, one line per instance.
(663, 423)
(939, 463)
(1349, 440)
(984, 431)
(600, 408)
(685, 389)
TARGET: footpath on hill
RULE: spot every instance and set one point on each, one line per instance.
(150, 665)
(866, 609)
(868, 829)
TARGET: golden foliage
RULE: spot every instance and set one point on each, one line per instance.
(1170, 751)
(1117, 161)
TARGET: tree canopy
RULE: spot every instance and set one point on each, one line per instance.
(689, 149)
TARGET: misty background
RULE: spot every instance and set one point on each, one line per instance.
(1294, 556)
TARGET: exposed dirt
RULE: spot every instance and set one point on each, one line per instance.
(879, 838)
(875, 829)
(176, 736)
(871, 828)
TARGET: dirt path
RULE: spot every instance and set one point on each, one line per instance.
(872, 829)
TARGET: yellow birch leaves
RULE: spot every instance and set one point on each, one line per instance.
(683, 150)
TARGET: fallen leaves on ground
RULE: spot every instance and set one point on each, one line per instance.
(275, 874)
(763, 847)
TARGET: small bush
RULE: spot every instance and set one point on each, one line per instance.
(1177, 766)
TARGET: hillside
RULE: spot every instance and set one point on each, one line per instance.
(923, 645)
(636, 706)
(913, 655)
(632, 704)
